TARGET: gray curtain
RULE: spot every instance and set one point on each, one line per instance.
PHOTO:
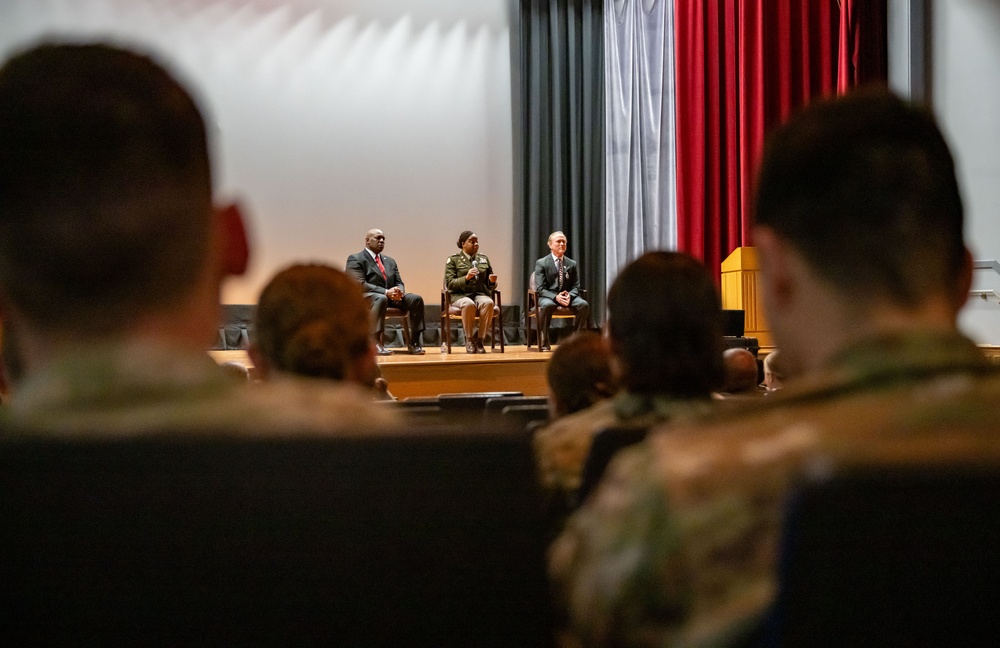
(559, 131)
(639, 140)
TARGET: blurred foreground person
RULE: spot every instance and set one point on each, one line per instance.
(859, 232)
(665, 337)
(579, 374)
(112, 254)
(312, 320)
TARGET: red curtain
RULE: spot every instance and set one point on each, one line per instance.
(742, 67)
(863, 48)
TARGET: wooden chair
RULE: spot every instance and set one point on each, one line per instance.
(451, 313)
(410, 538)
(533, 312)
(404, 317)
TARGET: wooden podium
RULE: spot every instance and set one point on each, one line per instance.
(739, 291)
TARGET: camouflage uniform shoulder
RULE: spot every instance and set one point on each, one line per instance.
(561, 447)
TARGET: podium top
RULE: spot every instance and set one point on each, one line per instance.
(742, 258)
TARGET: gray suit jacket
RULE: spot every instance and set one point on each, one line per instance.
(547, 277)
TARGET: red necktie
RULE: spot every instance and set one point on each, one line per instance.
(378, 260)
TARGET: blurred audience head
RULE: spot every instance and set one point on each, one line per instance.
(106, 216)
(774, 374)
(858, 218)
(740, 371)
(312, 320)
(237, 371)
(665, 326)
(579, 374)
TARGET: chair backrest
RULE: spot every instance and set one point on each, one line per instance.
(417, 401)
(603, 448)
(416, 539)
(516, 411)
(518, 417)
(471, 400)
(891, 557)
(496, 404)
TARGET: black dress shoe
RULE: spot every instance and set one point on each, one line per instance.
(546, 347)
(470, 347)
(381, 350)
(479, 346)
(415, 349)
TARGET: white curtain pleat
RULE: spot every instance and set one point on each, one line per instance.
(641, 176)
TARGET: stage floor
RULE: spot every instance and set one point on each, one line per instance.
(517, 369)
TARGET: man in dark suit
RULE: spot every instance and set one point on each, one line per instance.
(383, 287)
(557, 280)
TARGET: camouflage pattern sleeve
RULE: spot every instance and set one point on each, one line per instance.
(618, 567)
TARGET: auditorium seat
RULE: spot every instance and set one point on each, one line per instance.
(516, 411)
(418, 401)
(520, 417)
(497, 403)
(891, 557)
(467, 401)
(421, 538)
(605, 445)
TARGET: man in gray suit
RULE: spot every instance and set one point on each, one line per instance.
(383, 287)
(557, 280)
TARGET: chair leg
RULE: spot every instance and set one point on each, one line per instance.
(496, 330)
(446, 333)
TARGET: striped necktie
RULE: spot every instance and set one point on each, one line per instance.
(560, 266)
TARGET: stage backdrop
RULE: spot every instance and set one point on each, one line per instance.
(330, 117)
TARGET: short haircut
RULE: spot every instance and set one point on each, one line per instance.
(773, 365)
(579, 373)
(864, 187)
(312, 320)
(105, 187)
(741, 370)
(665, 319)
